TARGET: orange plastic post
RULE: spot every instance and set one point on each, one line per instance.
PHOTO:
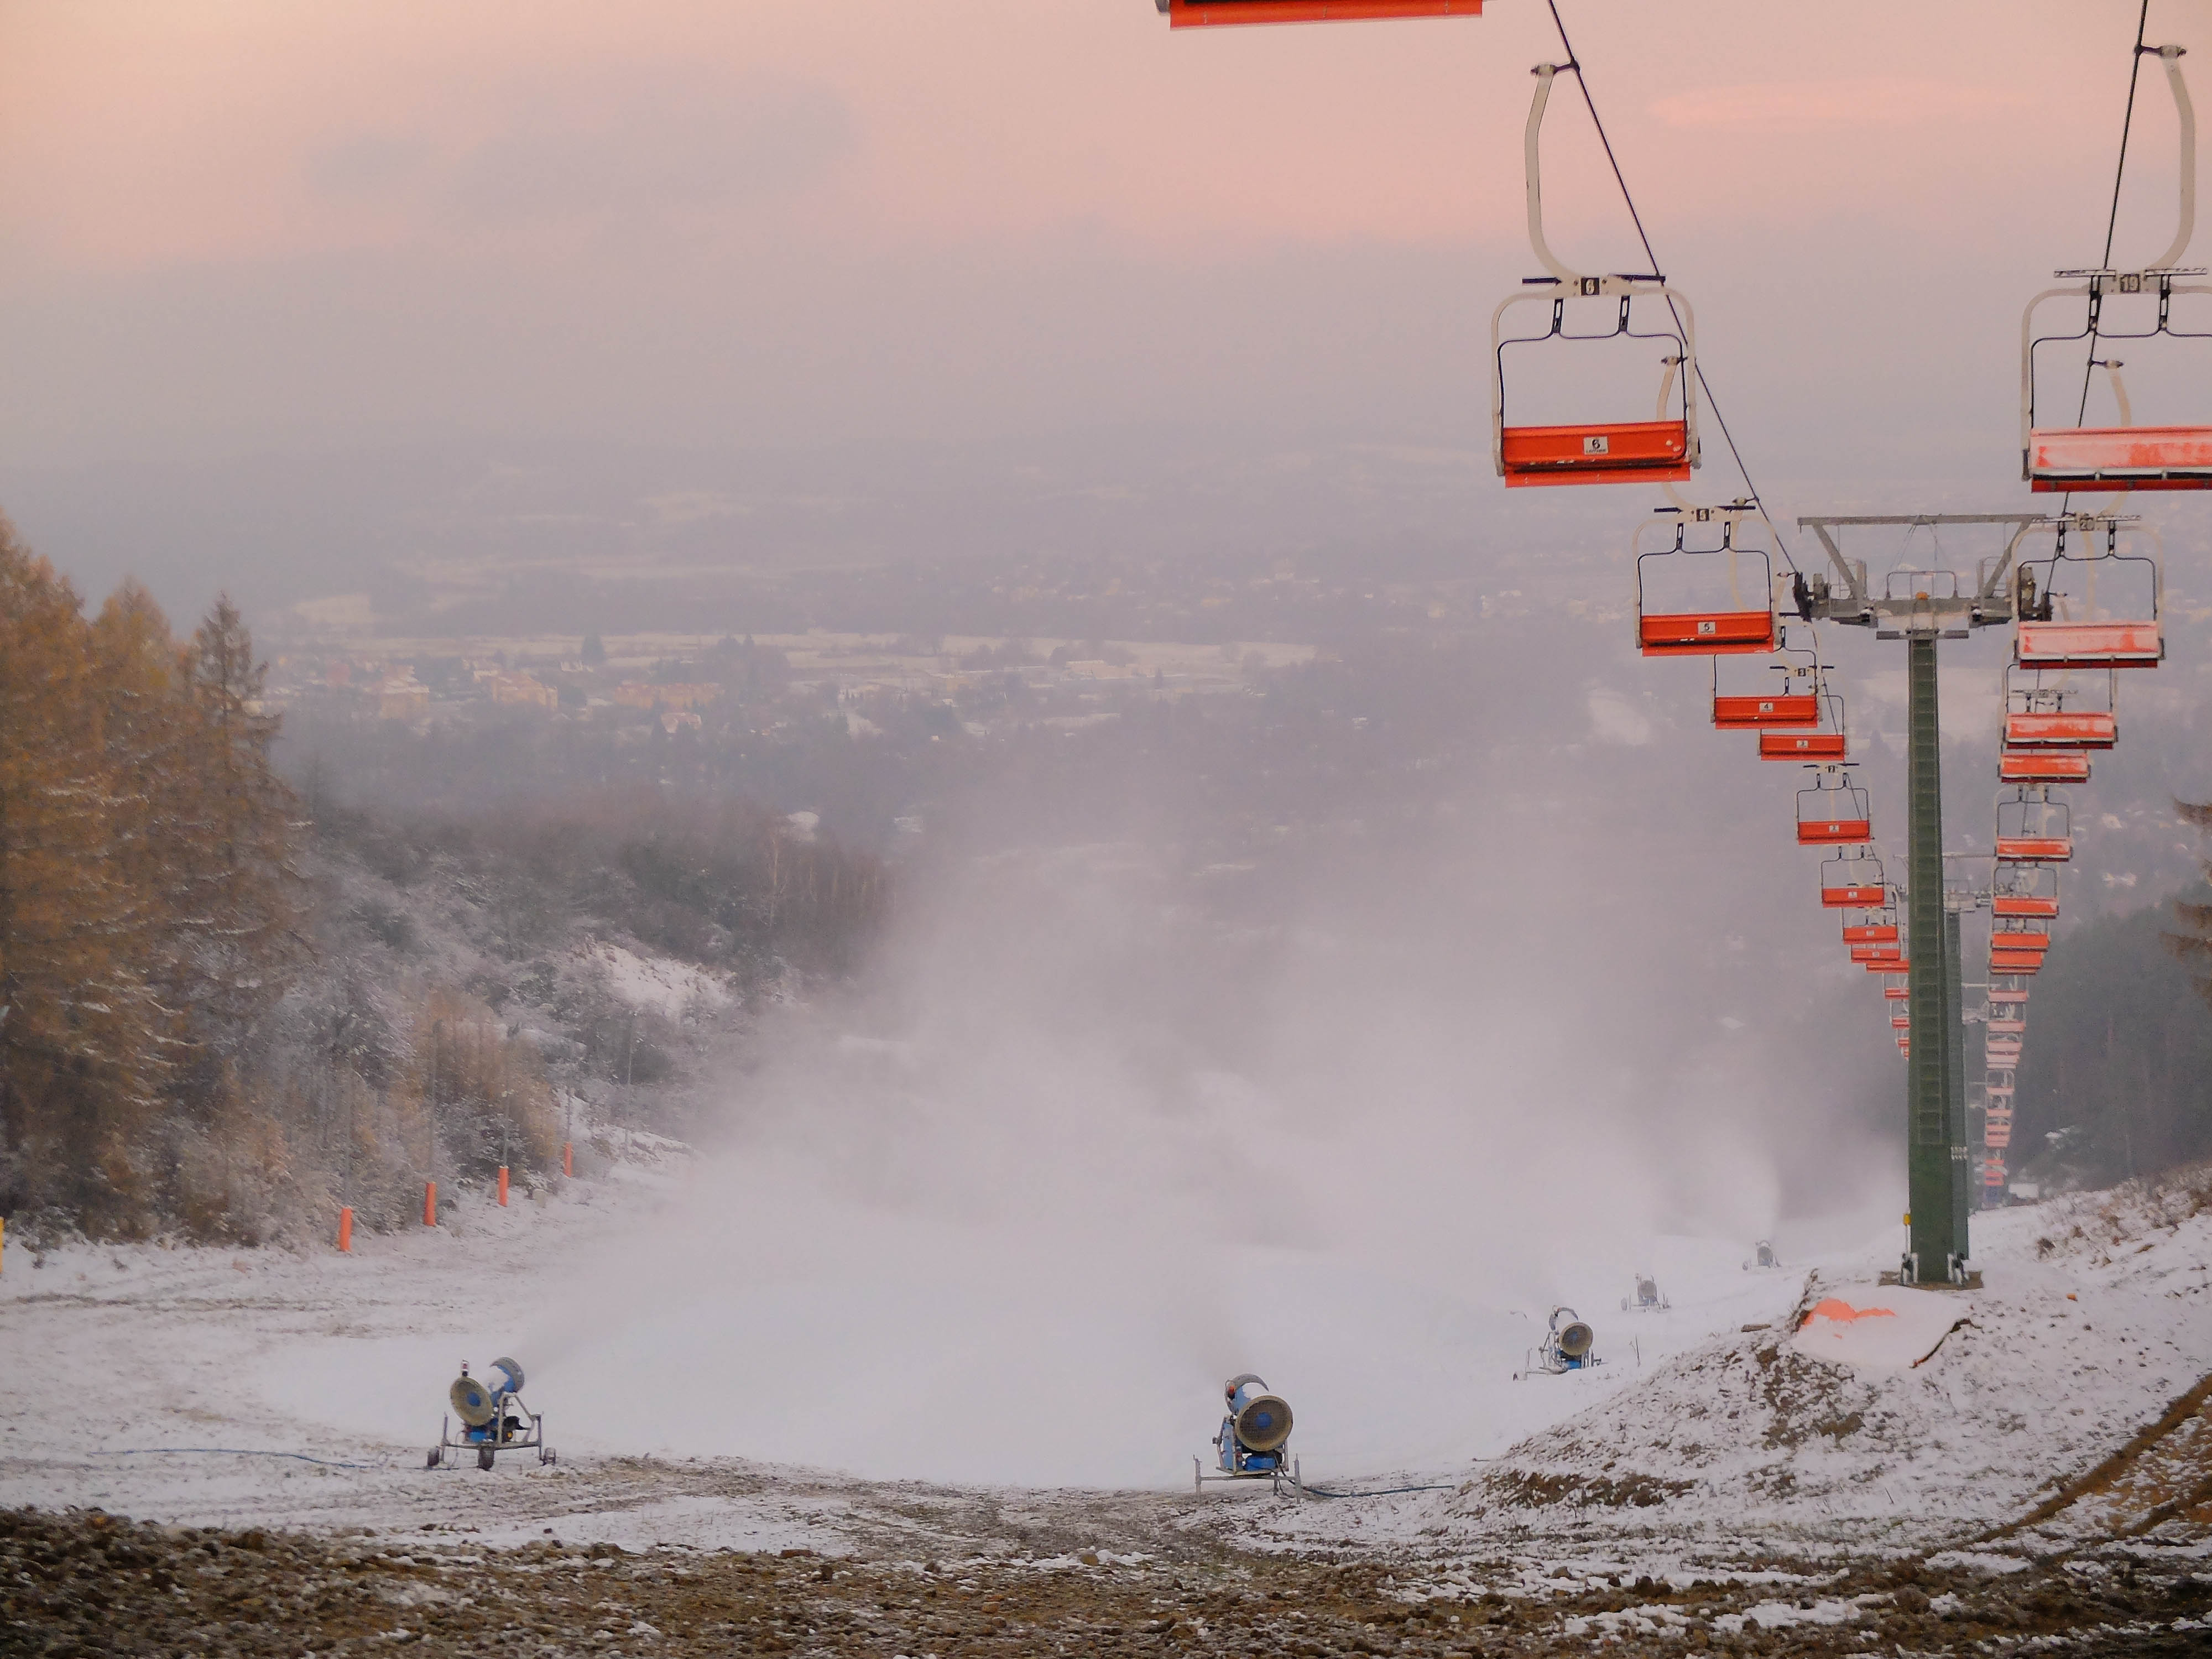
(345, 1230)
(502, 1186)
(568, 1158)
(430, 1203)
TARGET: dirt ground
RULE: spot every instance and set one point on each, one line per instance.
(85, 1582)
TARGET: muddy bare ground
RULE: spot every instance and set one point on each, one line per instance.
(82, 1581)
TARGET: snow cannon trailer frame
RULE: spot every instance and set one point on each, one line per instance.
(1254, 1441)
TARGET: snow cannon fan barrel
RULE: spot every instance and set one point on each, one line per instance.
(1262, 1420)
(475, 1399)
(471, 1399)
(1576, 1340)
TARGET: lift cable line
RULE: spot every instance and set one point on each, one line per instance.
(2113, 223)
(1652, 260)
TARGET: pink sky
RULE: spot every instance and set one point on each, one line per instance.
(739, 221)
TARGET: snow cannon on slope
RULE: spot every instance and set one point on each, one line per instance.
(1568, 1346)
(1763, 1259)
(1649, 1298)
(1254, 1442)
(492, 1418)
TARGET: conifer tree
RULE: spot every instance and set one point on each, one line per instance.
(233, 880)
(80, 1032)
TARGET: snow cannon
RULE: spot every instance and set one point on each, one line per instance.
(1650, 1298)
(1763, 1257)
(1253, 1444)
(492, 1418)
(1567, 1346)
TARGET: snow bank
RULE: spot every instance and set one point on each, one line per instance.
(660, 983)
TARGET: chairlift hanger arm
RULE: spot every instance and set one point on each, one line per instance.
(2170, 58)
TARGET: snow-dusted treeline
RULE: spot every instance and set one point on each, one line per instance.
(228, 1008)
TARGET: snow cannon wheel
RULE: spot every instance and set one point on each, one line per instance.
(483, 1457)
(1576, 1340)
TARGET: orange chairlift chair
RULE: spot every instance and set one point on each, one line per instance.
(1853, 881)
(2034, 826)
(1833, 810)
(1702, 601)
(1661, 449)
(2040, 718)
(2125, 456)
(1204, 14)
(1781, 693)
(1825, 741)
(2079, 627)
(2043, 766)
(2025, 892)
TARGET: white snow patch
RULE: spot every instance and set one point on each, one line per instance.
(662, 983)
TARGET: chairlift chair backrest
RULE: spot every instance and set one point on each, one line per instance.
(1716, 600)
(1853, 881)
(2126, 456)
(1784, 692)
(2033, 828)
(2088, 729)
(1833, 811)
(1661, 449)
(2043, 766)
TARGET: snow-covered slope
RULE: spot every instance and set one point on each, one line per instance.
(2093, 1318)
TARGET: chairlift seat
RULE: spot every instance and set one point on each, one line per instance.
(2007, 996)
(1833, 832)
(1897, 993)
(1801, 745)
(1900, 965)
(2034, 849)
(1998, 1135)
(2125, 457)
(2015, 962)
(1706, 633)
(1204, 14)
(1900, 1022)
(1851, 898)
(1872, 933)
(2043, 766)
(2021, 941)
(2004, 1027)
(1877, 953)
(2090, 644)
(1611, 451)
(1738, 714)
(2022, 904)
(2090, 729)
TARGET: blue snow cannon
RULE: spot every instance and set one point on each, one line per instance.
(1255, 1435)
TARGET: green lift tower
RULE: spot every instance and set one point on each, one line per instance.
(1923, 607)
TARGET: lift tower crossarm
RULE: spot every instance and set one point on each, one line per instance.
(1921, 611)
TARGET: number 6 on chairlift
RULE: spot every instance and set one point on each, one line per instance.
(1664, 448)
